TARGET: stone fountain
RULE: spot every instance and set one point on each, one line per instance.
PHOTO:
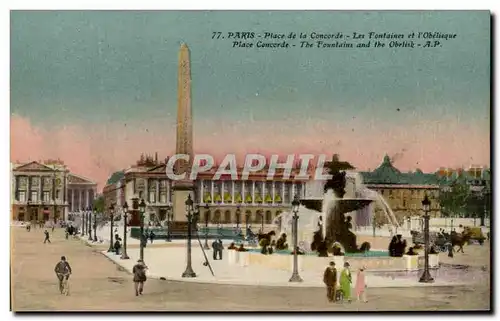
(326, 217)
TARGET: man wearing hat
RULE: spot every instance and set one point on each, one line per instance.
(139, 271)
(330, 280)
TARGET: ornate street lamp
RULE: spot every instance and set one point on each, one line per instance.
(207, 208)
(89, 217)
(84, 222)
(124, 252)
(169, 219)
(95, 224)
(238, 214)
(247, 217)
(142, 210)
(111, 214)
(189, 273)
(426, 276)
(28, 208)
(295, 209)
(261, 221)
(487, 200)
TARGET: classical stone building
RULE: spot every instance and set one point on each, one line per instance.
(43, 191)
(403, 192)
(114, 192)
(224, 201)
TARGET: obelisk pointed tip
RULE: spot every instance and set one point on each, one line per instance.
(184, 46)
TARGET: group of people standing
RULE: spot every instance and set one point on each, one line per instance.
(340, 290)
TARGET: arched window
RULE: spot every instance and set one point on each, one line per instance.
(207, 216)
(216, 218)
(258, 216)
(269, 217)
(227, 217)
(248, 217)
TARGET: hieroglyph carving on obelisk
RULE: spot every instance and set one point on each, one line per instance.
(184, 139)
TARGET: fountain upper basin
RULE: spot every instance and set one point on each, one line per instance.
(344, 205)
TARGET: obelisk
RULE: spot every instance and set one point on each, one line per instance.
(184, 138)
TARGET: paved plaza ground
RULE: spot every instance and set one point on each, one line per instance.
(97, 284)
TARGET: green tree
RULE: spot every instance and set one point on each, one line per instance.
(454, 199)
(99, 204)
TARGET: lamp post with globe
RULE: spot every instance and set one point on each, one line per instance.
(124, 252)
(143, 239)
(426, 276)
(111, 214)
(295, 209)
(189, 273)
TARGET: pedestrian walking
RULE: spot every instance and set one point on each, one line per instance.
(330, 280)
(151, 236)
(217, 249)
(361, 285)
(117, 246)
(345, 282)
(47, 237)
(139, 271)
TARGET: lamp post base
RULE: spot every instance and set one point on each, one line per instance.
(295, 277)
(426, 277)
(111, 249)
(189, 273)
(124, 256)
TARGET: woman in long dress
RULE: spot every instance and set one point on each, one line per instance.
(361, 285)
(345, 282)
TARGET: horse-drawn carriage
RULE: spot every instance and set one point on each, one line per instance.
(440, 241)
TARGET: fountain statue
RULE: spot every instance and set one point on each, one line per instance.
(325, 216)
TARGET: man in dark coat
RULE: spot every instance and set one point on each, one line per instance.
(330, 280)
(47, 237)
(139, 271)
(217, 248)
(117, 246)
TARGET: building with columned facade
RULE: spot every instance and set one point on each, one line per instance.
(256, 200)
(43, 191)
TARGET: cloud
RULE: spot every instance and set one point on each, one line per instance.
(96, 151)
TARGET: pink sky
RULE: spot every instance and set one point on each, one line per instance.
(97, 152)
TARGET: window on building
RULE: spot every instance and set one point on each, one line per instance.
(269, 218)
(22, 196)
(141, 194)
(286, 193)
(404, 203)
(413, 206)
(163, 197)
(227, 217)
(152, 197)
(46, 196)
(58, 192)
(34, 196)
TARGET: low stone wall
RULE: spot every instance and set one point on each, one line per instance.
(318, 264)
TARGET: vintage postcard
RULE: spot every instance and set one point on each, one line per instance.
(250, 161)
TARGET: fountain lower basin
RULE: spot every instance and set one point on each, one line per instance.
(372, 261)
